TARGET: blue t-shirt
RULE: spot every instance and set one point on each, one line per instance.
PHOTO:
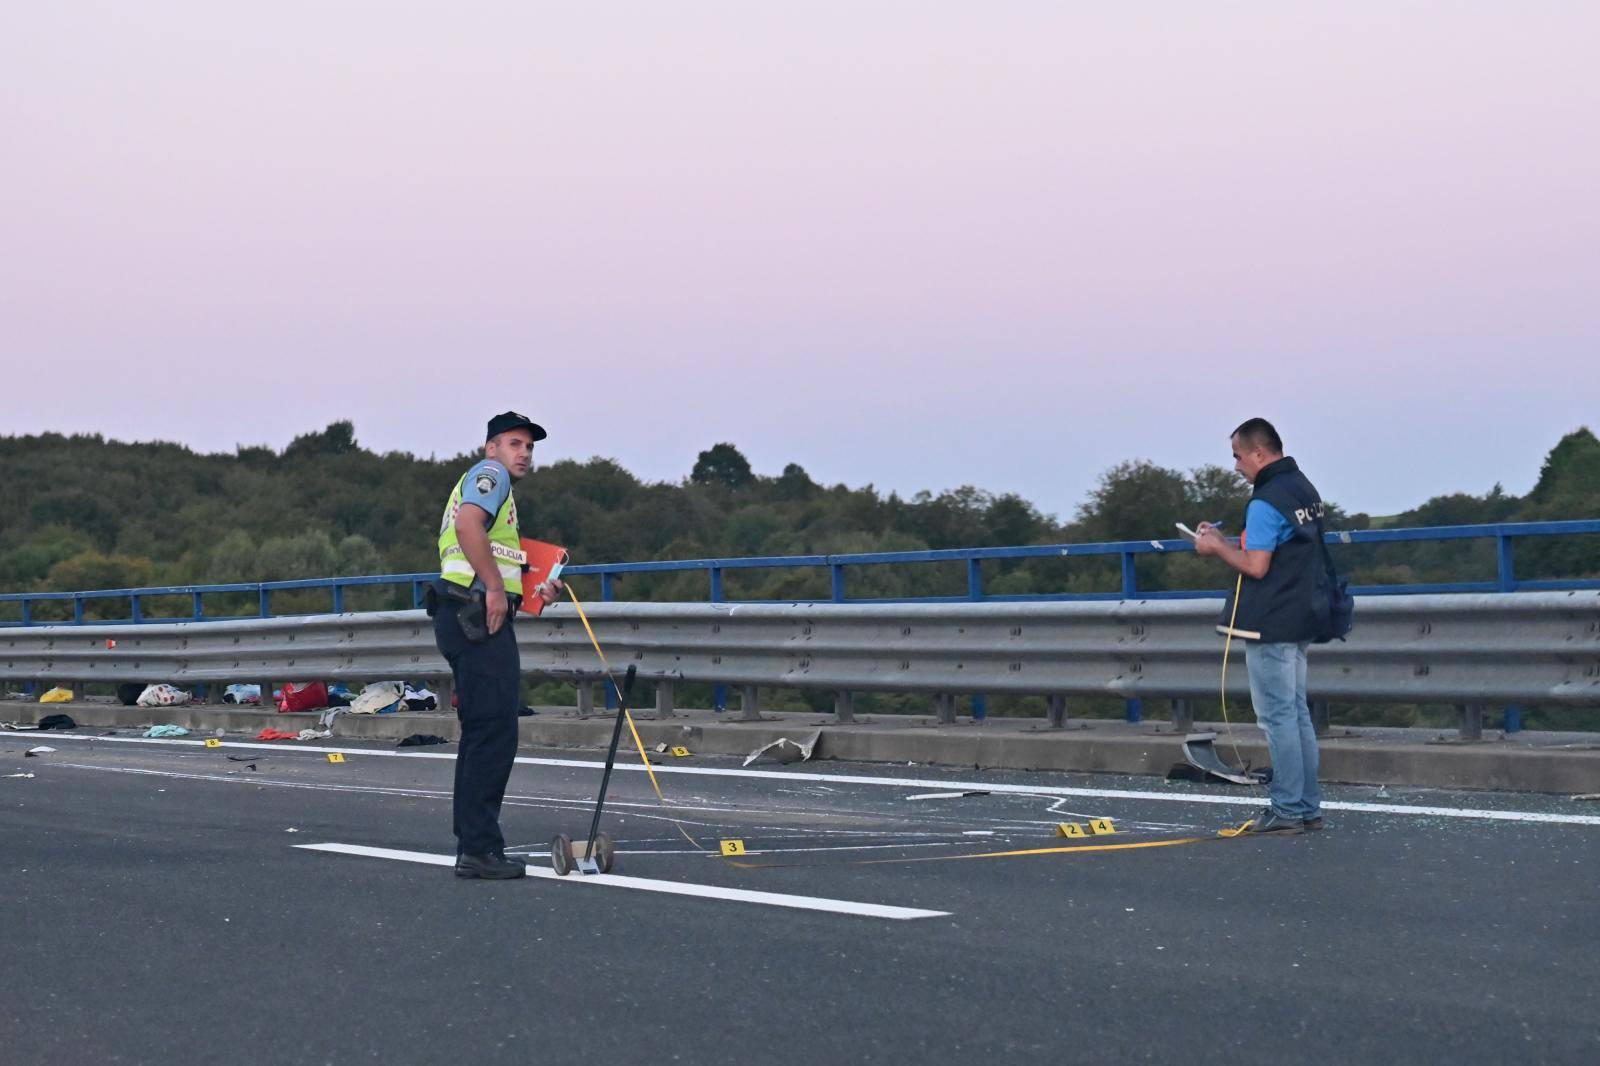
(487, 485)
(1265, 527)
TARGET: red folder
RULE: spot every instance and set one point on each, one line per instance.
(545, 562)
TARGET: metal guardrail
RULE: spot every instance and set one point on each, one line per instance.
(1526, 648)
(1504, 535)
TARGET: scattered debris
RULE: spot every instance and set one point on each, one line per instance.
(270, 733)
(56, 721)
(291, 829)
(163, 696)
(19, 775)
(379, 697)
(785, 750)
(242, 694)
(40, 750)
(1587, 796)
(418, 740)
(166, 731)
(420, 699)
(57, 695)
(947, 795)
(1203, 763)
(314, 734)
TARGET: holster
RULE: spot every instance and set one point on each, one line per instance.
(471, 607)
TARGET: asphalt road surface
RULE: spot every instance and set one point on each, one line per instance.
(162, 905)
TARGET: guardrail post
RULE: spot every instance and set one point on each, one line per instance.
(974, 580)
(1056, 711)
(338, 598)
(585, 698)
(836, 583)
(199, 609)
(716, 584)
(1135, 711)
(214, 691)
(266, 695)
(1183, 716)
(266, 602)
(1319, 717)
(663, 699)
(444, 690)
(1513, 719)
(1471, 721)
(607, 593)
(719, 697)
(416, 595)
(1505, 570)
(1130, 584)
(27, 613)
(980, 708)
(749, 703)
(844, 706)
(136, 609)
(944, 706)
(77, 609)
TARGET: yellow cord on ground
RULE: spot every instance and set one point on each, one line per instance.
(1222, 834)
(627, 715)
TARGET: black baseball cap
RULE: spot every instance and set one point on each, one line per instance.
(511, 420)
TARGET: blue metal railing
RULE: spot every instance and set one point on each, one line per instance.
(1504, 536)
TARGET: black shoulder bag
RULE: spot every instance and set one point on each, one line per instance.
(1331, 603)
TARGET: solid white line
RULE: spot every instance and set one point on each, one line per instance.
(644, 884)
(892, 782)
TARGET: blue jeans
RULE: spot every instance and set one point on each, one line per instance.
(1278, 691)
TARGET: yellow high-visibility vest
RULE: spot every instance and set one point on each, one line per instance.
(505, 542)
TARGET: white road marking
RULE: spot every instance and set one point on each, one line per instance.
(285, 747)
(644, 884)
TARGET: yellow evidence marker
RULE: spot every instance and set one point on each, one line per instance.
(213, 742)
(336, 756)
(680, 752)
(733, 847)
(1102, 826)
(1073, 830)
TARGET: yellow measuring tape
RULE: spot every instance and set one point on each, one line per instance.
(628, 716)
(661, 797)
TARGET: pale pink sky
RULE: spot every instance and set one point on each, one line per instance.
(912, 244)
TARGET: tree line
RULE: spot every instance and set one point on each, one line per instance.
(82, 512)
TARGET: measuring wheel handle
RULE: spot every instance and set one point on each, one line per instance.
(561, 860)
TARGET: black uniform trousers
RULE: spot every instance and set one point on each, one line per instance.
(488, 678)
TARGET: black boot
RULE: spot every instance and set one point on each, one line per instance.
(491, 867)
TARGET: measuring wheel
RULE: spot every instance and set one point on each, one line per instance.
(605, 853)
(561, 860)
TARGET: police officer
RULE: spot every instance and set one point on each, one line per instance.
(473, 603)
(1278, 558)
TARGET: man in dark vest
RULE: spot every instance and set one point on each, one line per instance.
(1278, 558)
